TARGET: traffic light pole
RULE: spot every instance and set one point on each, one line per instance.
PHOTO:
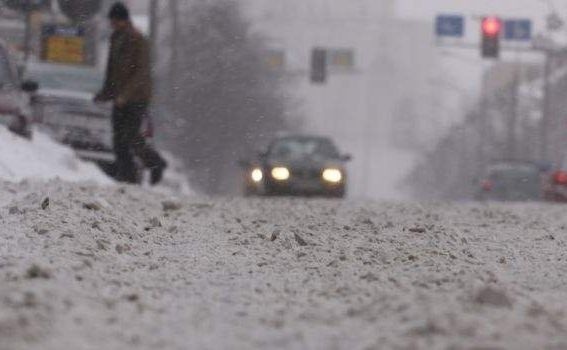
(153, 14)
(512, 139)
(175, 42)
(483, 128)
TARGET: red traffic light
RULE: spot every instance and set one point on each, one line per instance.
(491, 26)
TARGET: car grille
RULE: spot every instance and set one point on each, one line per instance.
(305, 173)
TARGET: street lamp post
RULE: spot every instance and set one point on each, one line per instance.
(153, 13)
(28, 8)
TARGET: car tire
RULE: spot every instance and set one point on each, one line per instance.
(338, 193)
(249, 191)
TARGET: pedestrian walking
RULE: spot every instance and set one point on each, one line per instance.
(128, 85)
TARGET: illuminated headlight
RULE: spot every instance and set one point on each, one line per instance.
(280, 173)
(257, 175)
(332, 175)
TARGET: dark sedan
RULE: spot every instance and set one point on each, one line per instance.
(298, 165)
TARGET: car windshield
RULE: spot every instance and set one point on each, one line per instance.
(514, 170)
(6, 74)
(294, 148)
(53, 77)
(515, 181)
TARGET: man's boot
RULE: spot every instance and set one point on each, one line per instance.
(157, 173)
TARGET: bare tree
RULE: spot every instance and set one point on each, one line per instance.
(224, 100)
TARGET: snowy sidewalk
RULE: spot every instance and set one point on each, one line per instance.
(124, 268)
(42, 158)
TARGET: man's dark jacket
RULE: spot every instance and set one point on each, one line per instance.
(128, 73)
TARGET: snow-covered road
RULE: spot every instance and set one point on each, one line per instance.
(124, 268)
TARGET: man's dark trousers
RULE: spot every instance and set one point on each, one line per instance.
(129, 142)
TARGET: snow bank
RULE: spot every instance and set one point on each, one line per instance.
(43, 159)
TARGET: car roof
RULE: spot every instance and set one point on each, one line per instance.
(514, 165)
(512, 162)
(303, 138)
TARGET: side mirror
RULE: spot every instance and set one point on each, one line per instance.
(346, 157)
(30, 86)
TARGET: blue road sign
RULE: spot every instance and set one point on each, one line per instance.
(450, 26)
(518, 29)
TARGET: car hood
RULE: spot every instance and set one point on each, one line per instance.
(65, 94)
(71, 101)
(313, 163)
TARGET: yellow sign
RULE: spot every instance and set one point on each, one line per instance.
(275, 59)
(65, 49)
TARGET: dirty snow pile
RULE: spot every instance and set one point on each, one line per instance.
(124, 268)
(42, 158)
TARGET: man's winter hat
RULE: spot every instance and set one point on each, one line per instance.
(119, 11)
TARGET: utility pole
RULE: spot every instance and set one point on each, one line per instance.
(483, 125)
(545, 108)
(154, 28)
(173, 67)
(513, 124)
(28, 30)
(482, 133)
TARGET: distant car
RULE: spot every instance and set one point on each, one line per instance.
(15, 111)
(298, 165)
(555, 184)
(512, 181)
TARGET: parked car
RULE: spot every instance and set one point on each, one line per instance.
(63, 107)
(15, 111)
(297, 165)
(512, 181)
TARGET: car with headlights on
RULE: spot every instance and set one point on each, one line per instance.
(298, 165)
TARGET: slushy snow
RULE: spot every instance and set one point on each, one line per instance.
(124, 268)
